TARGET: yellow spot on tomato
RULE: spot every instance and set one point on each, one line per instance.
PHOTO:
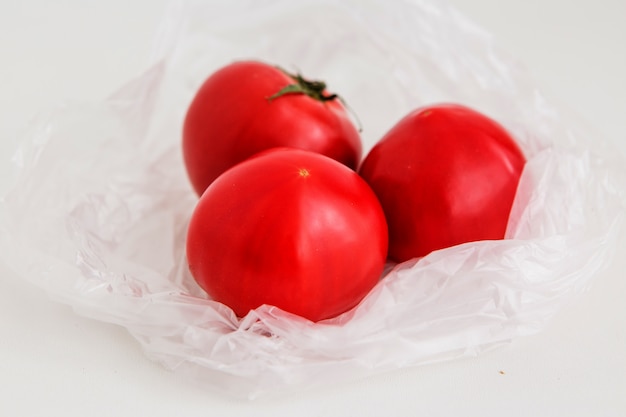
(304, 172)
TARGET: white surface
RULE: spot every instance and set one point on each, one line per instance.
(54, 362)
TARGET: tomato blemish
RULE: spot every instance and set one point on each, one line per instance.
(304, 172)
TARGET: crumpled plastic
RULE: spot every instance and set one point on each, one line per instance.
(98, 210)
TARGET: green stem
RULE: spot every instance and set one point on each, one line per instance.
(312, 88)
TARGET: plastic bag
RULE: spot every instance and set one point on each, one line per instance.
(97, 215)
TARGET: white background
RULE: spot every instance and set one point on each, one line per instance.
(55, 363)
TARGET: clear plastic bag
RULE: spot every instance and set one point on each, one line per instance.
(97, 215)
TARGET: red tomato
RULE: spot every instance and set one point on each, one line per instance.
(444, 175)
(288, 228)
(247, 107)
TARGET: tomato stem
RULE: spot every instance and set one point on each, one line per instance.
(313, 88)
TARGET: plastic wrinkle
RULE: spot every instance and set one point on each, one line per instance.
(98, 211)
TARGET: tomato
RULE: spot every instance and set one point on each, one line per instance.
(445, 175)
(288, 228)
(249, 106)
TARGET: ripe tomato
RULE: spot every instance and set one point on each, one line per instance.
(444, 175)
(249, 106)
(288, 228)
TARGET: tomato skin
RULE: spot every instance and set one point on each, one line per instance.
(289, 228)
(445, 175)
(232, 118)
